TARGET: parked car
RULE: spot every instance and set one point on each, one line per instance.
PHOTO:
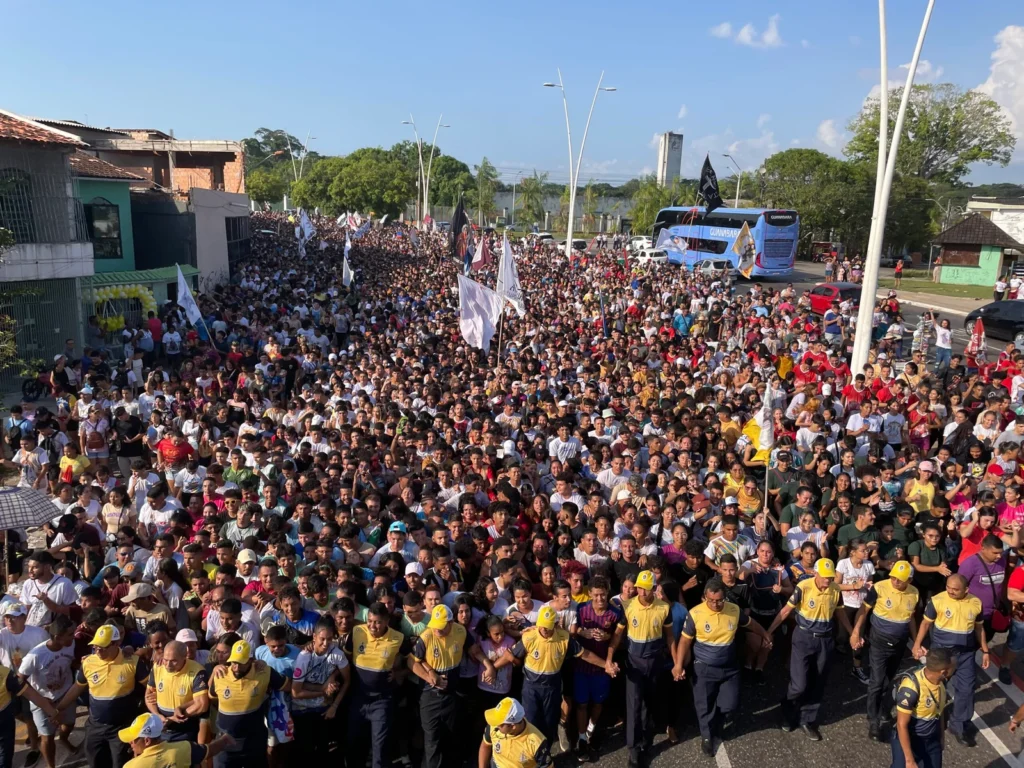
(1001, 320)
(716, 268)
(578, 244)
(651, 256)
(823, 294)
(543, 237)
(890, 260)
(638, 242)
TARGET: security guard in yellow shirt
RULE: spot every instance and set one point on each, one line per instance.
(815, 601)
(647, 622)
(178, 692)
(710, 631)
(11, 687)
(435, 658)
(542, 650)
(891, 605)
(920, 700)
(111, 680)
(375, 650)
(145, 737)
(510, 741)
(955, 621)
(242, 692)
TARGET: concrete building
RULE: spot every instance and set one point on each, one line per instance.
(1007, 213)
(104, 190)
(973, 251)
(670, 158)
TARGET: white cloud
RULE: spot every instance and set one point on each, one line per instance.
(762, 119)
(1005, 83)
(794, 142)
(926, 73)
(682, 112)
(723, 30)
(805, 43)
(749, 152)
(749, 36)
(829, 135)
(655, 139)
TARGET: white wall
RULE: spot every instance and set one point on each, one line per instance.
(47, 261)
(1011, 222)
(210, 208)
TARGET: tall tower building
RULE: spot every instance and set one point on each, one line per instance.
(670, 157)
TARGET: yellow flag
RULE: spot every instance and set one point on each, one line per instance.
(745, 248)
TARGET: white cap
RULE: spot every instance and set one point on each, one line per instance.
(186, 636)
(413, 568)
(731, 500)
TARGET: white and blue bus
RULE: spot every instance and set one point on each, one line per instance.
(699, 235)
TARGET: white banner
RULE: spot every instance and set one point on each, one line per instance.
(186, 301)
(508, 286)
(479, 311)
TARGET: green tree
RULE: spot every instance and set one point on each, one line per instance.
(562, 217)
(486, 186)
(530, 199)
(650, 197)
(449, 177)
(265, 186)
(313, 190)
(946, 130)
(590, 197)
(371, 180)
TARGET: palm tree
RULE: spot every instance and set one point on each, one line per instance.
(531, 198)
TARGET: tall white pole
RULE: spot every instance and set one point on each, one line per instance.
(430, 164)
(514, 199)
(862, 340)
(739, 181)
(579, 162)
(419, 151)
(568, 133)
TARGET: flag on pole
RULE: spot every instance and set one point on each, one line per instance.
(308, 230)
(765, 421)
(508, 286)
(976, 346)
(482, 257)
(415, 239)
(604, 317)
(383, 219)
(346, 273)
(479, 312)
(348, 244)
(187, 301)
(459, 233)
(708, 187)
(746, 249)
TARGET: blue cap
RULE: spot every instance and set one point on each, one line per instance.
(397, 527)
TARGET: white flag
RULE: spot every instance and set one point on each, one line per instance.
(308, 230)
(384, 219)
(746, 249)
(340, 219)
(348, 245)
(479, 311)
(186, 301)
(346, 273)
(765, 421)
(508, 286)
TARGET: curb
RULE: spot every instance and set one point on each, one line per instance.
(922, 305)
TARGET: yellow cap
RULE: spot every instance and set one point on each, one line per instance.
(825, 568)
(645, 580)
(547, 617)
(241, 652)
(902, 570)
(105, 636)
(439, 617)
(508, 711)
(142, 727)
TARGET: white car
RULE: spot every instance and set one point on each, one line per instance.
(716, 268)
(652, 256)
(578, 244)
(638, 243)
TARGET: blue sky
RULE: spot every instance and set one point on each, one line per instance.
(748, 78)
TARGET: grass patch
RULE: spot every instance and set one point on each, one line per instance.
(939, 289)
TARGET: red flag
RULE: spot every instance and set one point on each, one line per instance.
(482, 257)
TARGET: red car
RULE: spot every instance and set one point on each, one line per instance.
(823, 294)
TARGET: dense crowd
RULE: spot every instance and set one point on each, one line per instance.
(321, 526)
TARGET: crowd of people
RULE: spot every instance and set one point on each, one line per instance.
(321, 526)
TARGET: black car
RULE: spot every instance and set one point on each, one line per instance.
(1001, 319)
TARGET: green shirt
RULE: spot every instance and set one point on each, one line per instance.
(791, 514)
(904, 534)
(850, 532)
(930, 557)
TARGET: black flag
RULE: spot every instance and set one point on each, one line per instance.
(708, 187)
(458, 234)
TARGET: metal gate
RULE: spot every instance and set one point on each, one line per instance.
(45, 313)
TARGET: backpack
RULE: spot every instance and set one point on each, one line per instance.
(15, 430)
(909, 676)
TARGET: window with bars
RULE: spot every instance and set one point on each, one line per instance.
(103, 220)
(237, 230)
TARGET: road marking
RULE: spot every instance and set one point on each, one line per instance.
(723, 761)
(997, 744)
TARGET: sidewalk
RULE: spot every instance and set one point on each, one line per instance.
(950, 305)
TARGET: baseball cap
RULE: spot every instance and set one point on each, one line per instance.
(106, 636)
(825, 568)
(623, 495)
(926, 466)
(439, 617)
(413, 568)
(645, 580)
(247, 556)
(731, 500)
(186, 636)
(397, 527)
(15, 609)
(902, 570)
(241, 652)
(547, 617)
(508, 712)
(144, 726)
(138, 591)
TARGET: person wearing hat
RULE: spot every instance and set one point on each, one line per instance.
(111, 678)
(954, 618)
(242, 690)
(146, 738)
(815, 601)
(891, 604)
(920, 702)
(647, 623)
(710, 631)
(435, 659)
(510, 740)
(143, 609)
(178, 692)
(542, 650)
(397, 541)
(376, 650)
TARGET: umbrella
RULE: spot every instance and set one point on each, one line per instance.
(25, 508)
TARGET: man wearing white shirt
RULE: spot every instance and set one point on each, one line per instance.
(564, 447)
(45, 594)
(614, 475)
(397, 542)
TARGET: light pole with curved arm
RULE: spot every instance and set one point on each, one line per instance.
(430, 163)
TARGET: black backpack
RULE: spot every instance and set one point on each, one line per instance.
(15, 433)
(909, 676)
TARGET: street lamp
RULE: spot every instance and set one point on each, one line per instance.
(276, 153)
(739, 177)
(419, 149)
(430, 163)
(574, 175)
